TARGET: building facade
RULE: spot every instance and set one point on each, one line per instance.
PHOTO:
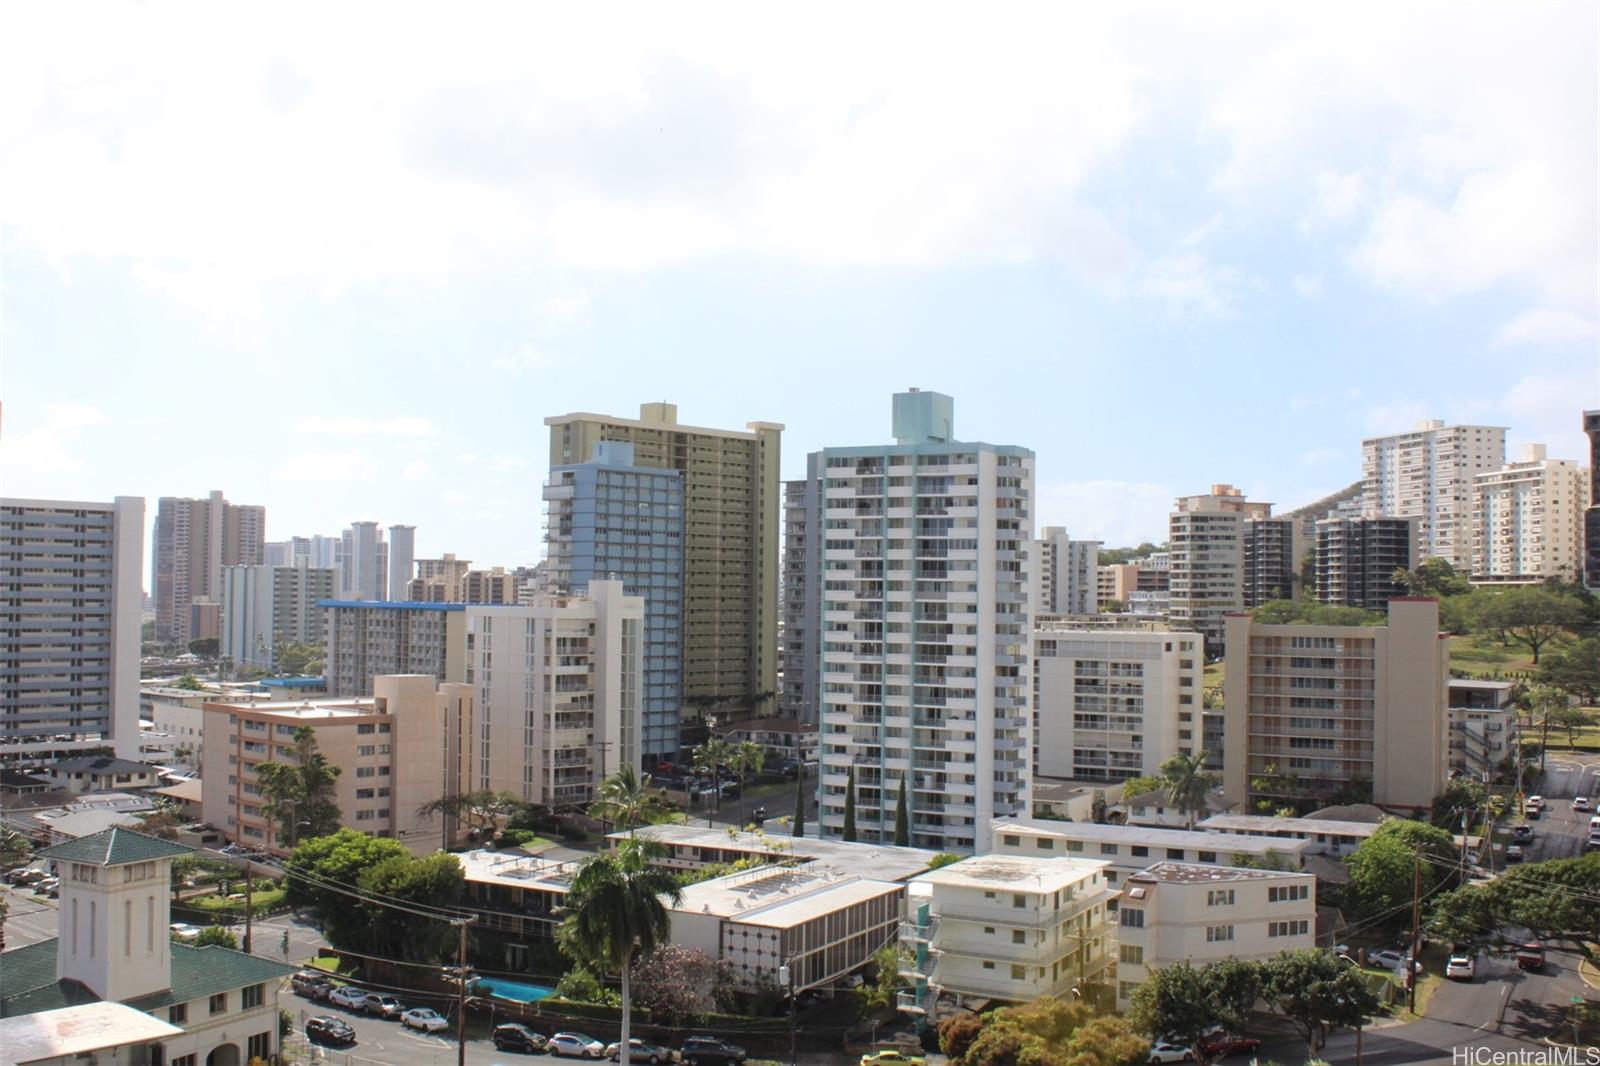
(363, 563)
(1357, 558)
(194, 541)
(362, 640)
(1483, 725)
(402, 555)
(1273, 551)
(1591, 514)
(70, 638)
(1427, 475)
(731, 542)
(1527, 520)
(265, 606)
(609, 518)
(438, 580)
(1113, 704)
(1314, 711)
(925, 630)
(797, 696)
(1175, 911)
(1207, 549)
(1065, 573)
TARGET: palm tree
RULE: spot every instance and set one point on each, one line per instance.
(849, 833)
(627, 799)
(1546, 702)
(1187, 783)
(616, 912)
(709, 758)
(902, 822)
(748, 759)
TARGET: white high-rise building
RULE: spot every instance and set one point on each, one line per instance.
(69, 637)
(1527, 520)
(402, 554)
(1064, 573)
(1208, 535)
(1427, 475)
(263, 606)
(925, 630)
(363, 563)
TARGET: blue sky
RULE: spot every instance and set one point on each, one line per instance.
(344, 263)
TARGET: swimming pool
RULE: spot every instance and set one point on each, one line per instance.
(515, 991)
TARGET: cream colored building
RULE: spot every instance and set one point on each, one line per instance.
(1175, 911)
(731, 530)
(1427, 475)
(1065, 573)
(363, 640)
(1207, 545)
(1115, 581)
(402, 747)
(1527, 520)
(439, 580)
(1113, 704)
(1014, 928)
(1331, 705)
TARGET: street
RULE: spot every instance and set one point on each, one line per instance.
(1561, 832)
(31, 917)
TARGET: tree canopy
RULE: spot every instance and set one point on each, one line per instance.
(1318, 993)
(299, 795)
(1046, 1032)
(322, 871)
(1383, 871)
(1181, 1002)
(1310, 612)
(1532, 615)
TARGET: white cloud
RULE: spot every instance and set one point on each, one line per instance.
(1339, 197)
(416, 470)
(1307, 286)
(1546, 407)
(1401, 416)
(1547, 327)
(350, 426)
(1117, 512)
(1191, 286)
(323, 466)
(50, 445)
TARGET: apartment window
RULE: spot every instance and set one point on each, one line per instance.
(219, 1003)
(1140, 851)
(1132, 954)
(1018, 900)
(183, 1060)
(178, 1013)
(1045, 843)
(254, 996)
(1018, 936)
(1175, 854)
(1286, 893)
(1206, 856)
(1125, 989)
(1219, 934)
(259, 1046)
(1294, 928)
(1012, 840)
(1019, 973)
(1131, 917)
(988, 966)
(1219, 897)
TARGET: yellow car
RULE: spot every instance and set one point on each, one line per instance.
(892, 1057)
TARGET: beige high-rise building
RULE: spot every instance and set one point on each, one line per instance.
(439, 580)
(1207, 545)
(1527, 520)
(194, 540)
(1312, 709)
(1427, 475)
(732, 531)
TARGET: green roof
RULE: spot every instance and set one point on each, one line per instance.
(115, 846)
(24, 969)
(201, 972)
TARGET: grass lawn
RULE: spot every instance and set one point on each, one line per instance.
(264, 898)
(1484, 656)
(1214, 674)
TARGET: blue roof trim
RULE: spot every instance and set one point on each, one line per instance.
(294, 682)
(394, 605)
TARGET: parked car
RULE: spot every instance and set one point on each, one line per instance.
(1460, 967)
(307, 982)
(1163, 1051)
(1580, 803)
(349, 997)
(50, 886)
(1390, 960)
(513, 1036)
(325, 1029)
(1514, 853)
(184, 932)
(1530, 956)
(892, 1057)
(1530, 812)
(576, 1046)
(639, 1051)
(710, 1051)
(384, 1006)
(1522, 833)
(427, 1020)
(28, 875)
(1219, 1044)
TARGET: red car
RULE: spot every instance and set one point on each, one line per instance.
(1221, 1044)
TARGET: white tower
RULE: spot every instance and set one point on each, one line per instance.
(115, 912)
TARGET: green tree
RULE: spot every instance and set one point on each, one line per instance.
(1045, 1032)
(944, 858)
(1272, 786)
(1382, 871)
(748, 759)
(798, 826)
(1533, 616)
(616, 914)
(849, 833)
(216, 934)
(189, 683)
(1575, 670)
(299, 795)
(902, 818)
(709, 759)
(434, 880)
(322, 875)
(956, 1034)
(205, 647)
(1463, 794)
(1310, 612)
(1435, 577)
(1181, 1002)
(1318, 994)
(1546, 702)
(626, 798)
(1187, 783)
(879, 993)
(477, 811)
(299, 659)
(14, 848)
(581, 986)
(1140, 786)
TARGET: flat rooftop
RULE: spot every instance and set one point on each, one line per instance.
(781, 897)
(1266, 825)
(1189, 873)
(1147, 836)
(1014, 873)
(1060, 788)
(304, 710)
(79, 1031)
(516, 871)
(883, 861)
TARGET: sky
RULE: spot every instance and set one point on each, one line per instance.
(343, 260)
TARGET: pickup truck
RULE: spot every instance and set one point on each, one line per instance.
(1530, 956)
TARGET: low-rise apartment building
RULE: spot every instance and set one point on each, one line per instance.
(1483, 724)
(517, 898)
(1314, 710)
(398, 749)
(1013, 928)
(820, 921)
(1110, 704)
(1323, 836)
(783, 738)
(1176, 911)
(691, 847)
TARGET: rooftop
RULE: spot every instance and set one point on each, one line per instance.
(883, 861)
(769, 725)
(1266, 825)
(187, 791)
(1189, 873)
(69, 1032)
(393, 605)
(1015, 873)
(28, 981)
(101, 764)
(781, 897)
(1092, 832)
(304, 709)
(1057, 789)
(516, 870)
(114, 847)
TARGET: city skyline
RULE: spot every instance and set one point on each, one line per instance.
(1198, 263)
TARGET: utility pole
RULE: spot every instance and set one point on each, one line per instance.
(1410, 963)
(249, 904)
(786, 977)
(461, 987)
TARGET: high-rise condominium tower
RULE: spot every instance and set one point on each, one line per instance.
(730, 546)
(1527, 520)
(1207, 578)
(923, 629)
(1064, 573)
(1427, 475)
(69, 637)
(1357, 558)
(194, 540)
(363, 563)
(1591, 516)
(402, 552)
